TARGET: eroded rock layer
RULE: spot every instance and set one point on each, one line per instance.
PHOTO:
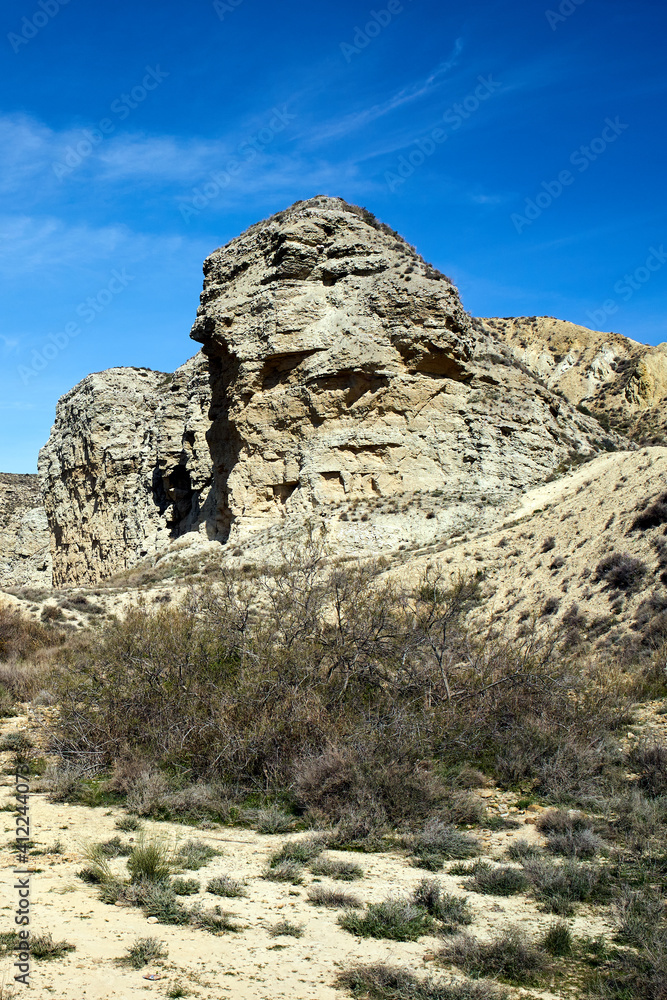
(25, 558)
(622, 382)
(126, 469)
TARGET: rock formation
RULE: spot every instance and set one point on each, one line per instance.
(126, 469)
(622, 382)
(25, 558)
(341, 382)
(345, 369)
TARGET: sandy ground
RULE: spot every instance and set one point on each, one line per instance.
(248, 964)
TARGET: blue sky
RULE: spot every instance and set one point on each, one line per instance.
(520, 147)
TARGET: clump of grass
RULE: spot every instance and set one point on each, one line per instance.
(650, 761)
(128, 824)
(332, 898)
(185, 886)
(638, 914)
(500, 881)
(273, 821)
(115, 848)
(450, 911)
(520, 849)
(439, 842)
(195, 854)
(177, 991)
(569, 833)
(216, 921)
(42, 946)
(342, 871)
(384, 982)
(509, 957)
(558, 940)
(395, 919)
(300, 851)
(150, 861)
(157, 899)
(285, 928)
(225, 885)
(559, 886)
(142, 952)
(286, 871)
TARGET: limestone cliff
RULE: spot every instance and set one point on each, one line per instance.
(126, 468)
(622, 382)
(345, 369)
(25, 558)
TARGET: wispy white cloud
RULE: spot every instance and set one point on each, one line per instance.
(46, 245)
(406, 95)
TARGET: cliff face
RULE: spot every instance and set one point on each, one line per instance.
(344, 369)
(25, 558)
(126, 469)
(622, 382)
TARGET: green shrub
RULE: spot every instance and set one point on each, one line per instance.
(342, 871)
(224, 885)
(42, 946)
(508, 956)
(185, 886)
(195, 855)
(383, 982)
(332, 898)
(299, 851)
(144, 951)
(396, 919)
(500, 881)
(450, 911)
(284, 928)
(559, 886)
(439, 842)
(150, 861)
(558, 940)
(285, 871)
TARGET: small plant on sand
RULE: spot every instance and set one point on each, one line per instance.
(439, 842)
(508, 956)
(332, 899)
(299, 851)
(558, 940)
(342, 871)
(286, 871)
(396, 919)
(384, 982)
(150, 861)
(143, 951)
(450, 911)
(224, 885)
(500, 881)
(185, 886)
(128, 823)
(284, 928)
(42, 946)
(195, 854)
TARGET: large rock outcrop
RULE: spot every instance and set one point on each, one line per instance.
(25, 557)
(344, 370)
(622, 382)
(341, 382)
(126, 469)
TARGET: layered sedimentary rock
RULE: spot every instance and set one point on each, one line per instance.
(126, 469)
(25, 557)
(344, 369)
(621, 381)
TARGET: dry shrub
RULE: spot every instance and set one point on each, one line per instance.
(351, 695)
